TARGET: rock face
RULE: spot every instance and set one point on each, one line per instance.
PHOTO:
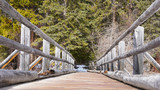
(8, 77)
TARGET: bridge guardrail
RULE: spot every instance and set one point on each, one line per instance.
(139, 47)
(25, 42)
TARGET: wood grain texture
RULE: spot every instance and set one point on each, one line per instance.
(74, 81)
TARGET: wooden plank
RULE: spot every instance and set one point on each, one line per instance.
(15, 45)
(152, 61)
(138, 59)
(45, 61)
(74, 81)
(113, 52)
(154, 7)
(121, 50)
(8, 59)
(14, 14)
(25, 40)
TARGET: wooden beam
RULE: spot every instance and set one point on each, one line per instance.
(152, 44)
(14, 14)
(35, 62)
(138, 59)
(9, 59)
(152, 61)
(121, 50)
(45, 61)
(64, 56)
(113, 53)
(109, 58)
(25, 40)
(57, 54)
(154, 7)
(15, 45)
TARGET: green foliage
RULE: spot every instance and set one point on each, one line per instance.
(10, 27)
(77, 24)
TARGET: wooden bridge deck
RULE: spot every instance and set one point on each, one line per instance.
(74, 81)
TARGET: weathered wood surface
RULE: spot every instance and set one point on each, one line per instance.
(154, 7)
(146, 82)
(45, 61)
(13, 13)
(138, 59)
(35, 62)
(8, 58)
(121, 50)
(64, 56)
(74, 81)
(25, 40)
(57, 54)
(109, 58)
(152, 44)
(113, 56)
(8, 77)
(152, 61)
(15, 45)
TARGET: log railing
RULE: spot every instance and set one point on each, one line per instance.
(67, 59)
(106, 62)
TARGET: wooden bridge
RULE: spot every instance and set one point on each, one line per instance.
(110, 64)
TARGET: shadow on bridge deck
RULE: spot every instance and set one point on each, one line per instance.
(74, 81)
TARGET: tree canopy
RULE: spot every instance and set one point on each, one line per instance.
(77, 24)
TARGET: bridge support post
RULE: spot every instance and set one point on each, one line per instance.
(25, 40)
(108, 58)
(64, 56)
(121, 50)
(113, 56)
(45, 61)
(68, 61)
(105, 65)
(57, 54)
(138, 59)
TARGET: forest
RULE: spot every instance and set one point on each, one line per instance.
(77, 25)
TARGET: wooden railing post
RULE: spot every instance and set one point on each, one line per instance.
(121, 50)
(25, 40)
(138, 59)
(67, 63)
(103, 63)
(45, 61)
(57, 54)
(113, 56)
(64, 56)
(108, 58)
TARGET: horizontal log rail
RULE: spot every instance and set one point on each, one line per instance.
(151, 45)
(13, 44)
(13, 13)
